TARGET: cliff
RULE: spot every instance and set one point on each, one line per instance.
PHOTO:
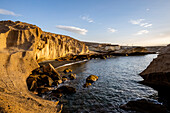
(22, 45)
(46, 46)
(158, 72)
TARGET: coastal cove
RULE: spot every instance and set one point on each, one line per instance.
(117, 84)
(43, 72)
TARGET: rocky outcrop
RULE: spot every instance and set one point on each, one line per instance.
(158, 72)
(144, 106)
(22, 45)
(22, 36)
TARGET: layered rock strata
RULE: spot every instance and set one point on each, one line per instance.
(22, 45)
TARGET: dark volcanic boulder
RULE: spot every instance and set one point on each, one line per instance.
(72, 76)
(35, 81)
(86, 85)
(64, 78)
(67, 70)
(45, 80)
(50, 70)
(92, 78)
(65, 90)
(32, 82)
(37, 71)
(144, 106)
(42, 90)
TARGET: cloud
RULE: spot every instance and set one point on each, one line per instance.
(141, 32)
(111, 30)
(136, 22)
(148, 25)
(87, 18)
(140, 23)
(147, 9)
(73, 29)
(6, 12)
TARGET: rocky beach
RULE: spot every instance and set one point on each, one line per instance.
(29, 56)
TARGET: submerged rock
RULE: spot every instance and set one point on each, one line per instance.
(144, 106)
(92, 78)
(65, 90)
(86, 85)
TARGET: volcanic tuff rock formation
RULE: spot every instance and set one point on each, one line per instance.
(23, 36)
(158, 72)
(21, 46)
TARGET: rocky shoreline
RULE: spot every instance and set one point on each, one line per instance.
(23, 45)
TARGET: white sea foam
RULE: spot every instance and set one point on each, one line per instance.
(71, 64)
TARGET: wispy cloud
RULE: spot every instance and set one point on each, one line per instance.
(136, 22)
(141, 32)
(73, 29)
(111, 30)
(87, 18)
(6, 12)
(147, 9)
(140, 22)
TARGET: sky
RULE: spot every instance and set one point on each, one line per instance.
(124, 22)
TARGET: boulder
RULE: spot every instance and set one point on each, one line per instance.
(51, 72)
(33, 86)
(67, 70)
(64, 78)
(32, 83)
(42, 90)
(103, 57)
(37, 71)
(58, 95)
(35, 81)
(65, 90)
(45, 80)
(57, 82)
(91, 79)
(86, 85)
(72, 76)
(144, 106)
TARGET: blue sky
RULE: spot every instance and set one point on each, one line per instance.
(125, 22)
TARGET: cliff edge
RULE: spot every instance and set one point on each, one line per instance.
(22, 46)
(158, 72)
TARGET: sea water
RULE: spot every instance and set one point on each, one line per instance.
(117, 84)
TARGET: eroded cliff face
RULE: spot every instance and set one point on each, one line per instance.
(52, 46)
(158, 72)
(22, 45)
(22, 36)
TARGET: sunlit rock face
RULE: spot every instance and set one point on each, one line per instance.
(158, 72)
(21, 46)
(17, 36)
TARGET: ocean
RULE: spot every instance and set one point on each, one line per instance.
(117, 84)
